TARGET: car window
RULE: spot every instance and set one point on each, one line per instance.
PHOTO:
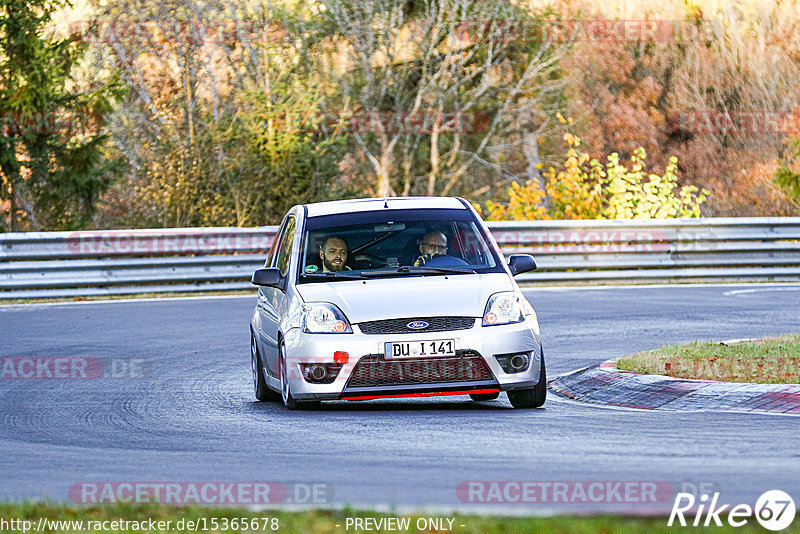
(285, 247)
(275, 243)
(380, 243)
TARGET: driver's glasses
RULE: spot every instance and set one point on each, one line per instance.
(437, 248)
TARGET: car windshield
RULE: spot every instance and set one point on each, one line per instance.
(394, 243)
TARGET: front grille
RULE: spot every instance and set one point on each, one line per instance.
(400, 326)
(373, 370)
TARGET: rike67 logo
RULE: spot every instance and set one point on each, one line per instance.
(774, 510)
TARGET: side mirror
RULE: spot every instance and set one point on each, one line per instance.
(521, 263)
(269, 277)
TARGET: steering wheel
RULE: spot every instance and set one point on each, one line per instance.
(446, 261)
(368, 261)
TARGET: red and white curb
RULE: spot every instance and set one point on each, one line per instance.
(606, 384)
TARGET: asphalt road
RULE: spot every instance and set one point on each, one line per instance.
(193, 416)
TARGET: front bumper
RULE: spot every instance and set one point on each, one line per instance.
(476, 342)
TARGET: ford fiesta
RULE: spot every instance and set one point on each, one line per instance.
(400, 297)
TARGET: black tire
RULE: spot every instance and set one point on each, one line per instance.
(262, 391)
(286, 394)
(484, 396)
(533, 397)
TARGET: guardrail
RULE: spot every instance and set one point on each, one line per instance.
(68, 264)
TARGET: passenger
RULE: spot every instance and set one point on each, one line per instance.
(333, 253)
(432, 244)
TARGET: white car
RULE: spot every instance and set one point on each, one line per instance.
(399, 297)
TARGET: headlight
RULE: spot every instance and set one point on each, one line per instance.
(324, 318)
(503, 308)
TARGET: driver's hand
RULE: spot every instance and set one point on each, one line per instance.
(422, 260)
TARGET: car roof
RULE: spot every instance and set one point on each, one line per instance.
(376, 204)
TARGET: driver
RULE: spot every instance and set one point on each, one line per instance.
(432, 244)
(333, 253)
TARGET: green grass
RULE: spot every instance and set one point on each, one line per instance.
(768, 360)
(324, 521)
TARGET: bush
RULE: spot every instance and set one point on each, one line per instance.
(585, 188)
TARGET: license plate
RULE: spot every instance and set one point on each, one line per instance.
(414, 349)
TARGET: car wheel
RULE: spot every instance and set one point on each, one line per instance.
(286, 392)
(533, 397)
(484, 396)
(262, 391)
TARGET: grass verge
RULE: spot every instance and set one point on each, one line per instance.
(327, 521)
(769, 360)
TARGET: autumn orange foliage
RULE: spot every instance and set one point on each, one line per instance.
(720, 57)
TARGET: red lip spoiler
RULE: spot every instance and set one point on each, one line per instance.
(426, 394)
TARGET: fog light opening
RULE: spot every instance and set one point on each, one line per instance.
(318, 372)
(514, 363)
(518, 362)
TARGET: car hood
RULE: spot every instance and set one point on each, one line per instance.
(413, 296)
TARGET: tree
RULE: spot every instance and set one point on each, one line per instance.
(440, 96)
(213, 131)
(713, 82)
(51, 168)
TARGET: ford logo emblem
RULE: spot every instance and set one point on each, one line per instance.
(417, 325)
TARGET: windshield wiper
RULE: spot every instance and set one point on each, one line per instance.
(446, 270)
(345, 275)
(418, 271)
